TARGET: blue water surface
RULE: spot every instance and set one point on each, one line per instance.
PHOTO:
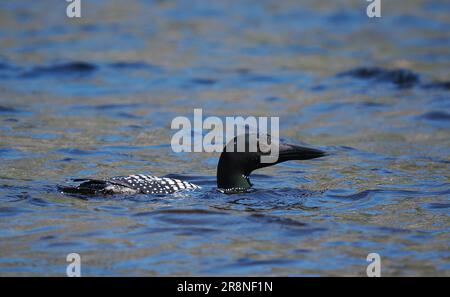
(95, 96)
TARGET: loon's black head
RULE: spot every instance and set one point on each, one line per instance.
(236, 165)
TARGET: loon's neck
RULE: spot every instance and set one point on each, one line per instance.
(231, 178)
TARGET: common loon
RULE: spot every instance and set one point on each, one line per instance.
(233, 172)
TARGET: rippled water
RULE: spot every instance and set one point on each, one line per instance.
(95, 97)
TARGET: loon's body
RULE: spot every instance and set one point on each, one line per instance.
(233, 173)
(132, 184)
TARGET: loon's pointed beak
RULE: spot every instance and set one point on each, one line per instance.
(289, 152)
